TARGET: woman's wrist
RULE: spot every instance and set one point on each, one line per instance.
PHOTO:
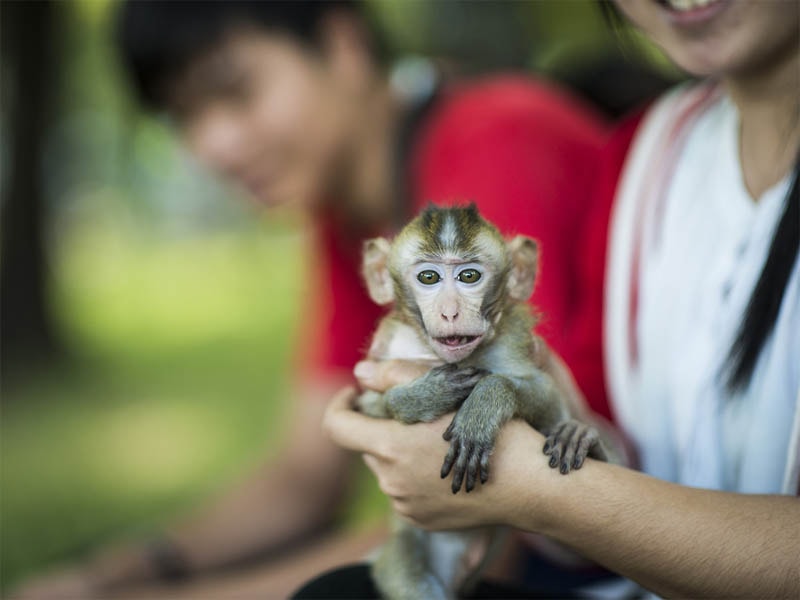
(526, 485)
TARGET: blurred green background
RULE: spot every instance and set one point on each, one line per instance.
(169, 303)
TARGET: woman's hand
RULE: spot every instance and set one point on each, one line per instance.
(407, 460)
(380, 375)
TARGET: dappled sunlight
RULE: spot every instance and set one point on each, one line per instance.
(181, 349)
(147, 291)
(153, 447)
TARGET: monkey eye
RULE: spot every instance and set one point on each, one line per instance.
(469, 275)
(428, 277)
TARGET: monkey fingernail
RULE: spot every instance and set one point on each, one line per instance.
(553, 461)
(547, 448)
(446, 467)
(564, 469)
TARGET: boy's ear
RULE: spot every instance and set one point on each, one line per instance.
(524, 254)
(375, 269)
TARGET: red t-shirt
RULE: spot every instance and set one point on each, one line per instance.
(529, 156)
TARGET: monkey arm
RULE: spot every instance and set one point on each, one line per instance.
(675, 540)
(618, 449)
(473, 431)
(441, 390)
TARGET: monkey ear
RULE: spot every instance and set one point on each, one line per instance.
(375, 269)
(524, 254)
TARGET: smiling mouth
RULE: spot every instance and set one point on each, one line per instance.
(686, 5)
(457, 341)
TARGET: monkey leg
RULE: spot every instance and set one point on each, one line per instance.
(439, 391)
(403, 571)
(473, 431)
(570, 442)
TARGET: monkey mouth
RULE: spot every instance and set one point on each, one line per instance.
(457, 341)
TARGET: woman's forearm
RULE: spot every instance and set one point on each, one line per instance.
(674, 540)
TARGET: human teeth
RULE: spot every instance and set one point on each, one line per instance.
(688, 4)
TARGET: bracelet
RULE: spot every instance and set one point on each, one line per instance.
(167, 561)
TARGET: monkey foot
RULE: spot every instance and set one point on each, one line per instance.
(569, 443)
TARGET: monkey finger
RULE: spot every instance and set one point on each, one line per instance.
(563, 438)
(476, 468)
(576, 447)
(448, 433)
(585, 444)
(459, 470)
(473, 469)
(555, 457)
(552, 438)
(449, 460)
(485, 465)
(568, 458)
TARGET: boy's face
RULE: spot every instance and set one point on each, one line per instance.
(269, 114)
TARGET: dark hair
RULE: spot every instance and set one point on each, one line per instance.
(611, 15)
(765, 303)
(158, 38)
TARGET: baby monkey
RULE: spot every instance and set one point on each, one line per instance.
(460, 295)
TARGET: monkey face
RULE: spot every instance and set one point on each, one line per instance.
(449, 297)
(450, 274)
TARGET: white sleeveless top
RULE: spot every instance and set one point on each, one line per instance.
(687, 245)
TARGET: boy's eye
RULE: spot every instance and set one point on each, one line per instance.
(428, 277)
(469, 275)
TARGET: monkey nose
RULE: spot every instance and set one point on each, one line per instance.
(450, 317)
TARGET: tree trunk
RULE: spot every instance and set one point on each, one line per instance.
(27, 330)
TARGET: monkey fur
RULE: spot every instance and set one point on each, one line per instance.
(459, 294)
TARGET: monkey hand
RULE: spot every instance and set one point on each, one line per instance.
(441, 390)
(471, 445)
(474, 429)
(570, 442)
(468, 456)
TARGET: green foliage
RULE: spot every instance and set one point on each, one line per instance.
(177, 387)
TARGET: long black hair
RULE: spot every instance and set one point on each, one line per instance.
(765, 302)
